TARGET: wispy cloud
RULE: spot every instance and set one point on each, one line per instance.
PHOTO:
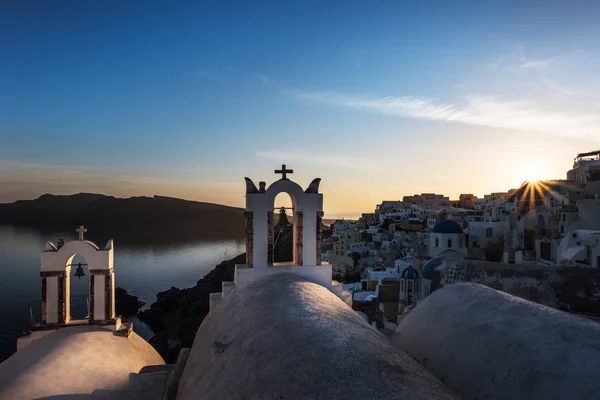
(536, 90)
(543, 67)
(475, 110)
(305, 157)
(528, 63)
(550, 83)
(550, 93)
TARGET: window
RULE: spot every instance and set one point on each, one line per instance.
(437, 242)
(488, 232)
(449, 243)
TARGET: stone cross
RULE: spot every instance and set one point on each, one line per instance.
(81, 231)
(284, 171)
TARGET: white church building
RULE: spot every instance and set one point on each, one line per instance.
(287, 331)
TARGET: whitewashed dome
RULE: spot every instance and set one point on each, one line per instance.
(75, 360)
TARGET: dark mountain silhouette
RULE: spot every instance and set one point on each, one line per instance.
(136, 219)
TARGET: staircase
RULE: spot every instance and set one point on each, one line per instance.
(150, 382)
(157, 382)
(344, 295)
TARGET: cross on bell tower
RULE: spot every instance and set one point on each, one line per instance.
(81, 231)
(284, 171)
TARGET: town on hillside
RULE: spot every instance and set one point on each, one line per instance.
(398, 254)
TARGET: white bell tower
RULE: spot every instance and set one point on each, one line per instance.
(308, 213)
(55, 272)
(307, 244)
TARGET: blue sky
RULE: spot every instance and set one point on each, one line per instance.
(380, 99)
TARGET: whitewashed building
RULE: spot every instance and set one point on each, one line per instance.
(447, 235)
(483, 233)
(580, 248)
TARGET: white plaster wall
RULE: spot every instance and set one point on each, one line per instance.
(67, 290)
(99, 298)
(309, 243)
(320, 274)
(587, 238)
(589, 213)
(227, 288)
(443, 243)
(479, 230)
(112, 294)
(485, 344)
(260, 239)
(56, 260)
(52, 299)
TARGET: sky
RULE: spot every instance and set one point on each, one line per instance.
(380, 99)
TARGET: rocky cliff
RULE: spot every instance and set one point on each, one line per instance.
(177, 313)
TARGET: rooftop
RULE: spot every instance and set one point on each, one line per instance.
(447, 226)
(304, 336)
(75, 360)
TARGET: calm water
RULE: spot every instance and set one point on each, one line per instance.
(142, 270)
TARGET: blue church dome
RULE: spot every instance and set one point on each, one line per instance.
(409, 273)
(447, 226)
(430, 266)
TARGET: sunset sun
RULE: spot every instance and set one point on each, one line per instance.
(531, 175)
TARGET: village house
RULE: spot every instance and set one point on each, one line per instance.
(586, 167)
(337, 256)
(426, 199)
(580, 248)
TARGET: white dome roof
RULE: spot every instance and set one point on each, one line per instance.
(75, 360)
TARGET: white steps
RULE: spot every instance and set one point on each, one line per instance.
(149, 383)
(344, 295)
(156, 382)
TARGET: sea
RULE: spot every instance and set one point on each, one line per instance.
(142, 270)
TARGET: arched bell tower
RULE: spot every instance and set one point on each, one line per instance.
(307, 208)
(308, 213)
(55, 274)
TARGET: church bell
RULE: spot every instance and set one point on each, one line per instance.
(79, 271)
(283, 219)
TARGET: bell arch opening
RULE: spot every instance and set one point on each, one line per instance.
(283, 224)
(77, 288)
